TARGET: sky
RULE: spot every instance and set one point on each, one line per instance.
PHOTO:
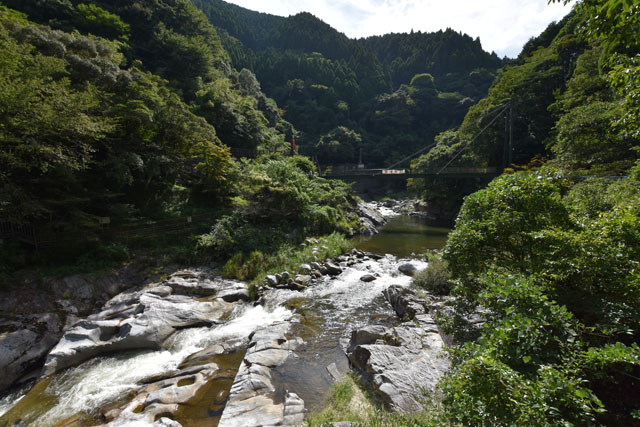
(503, 26)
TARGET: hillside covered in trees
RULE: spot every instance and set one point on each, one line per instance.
(547, 254)
(131, 111)
(388, 95)
(567, 105)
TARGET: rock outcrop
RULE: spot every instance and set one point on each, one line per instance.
(144, 319)
(400, 362)
(23, 349)
(370, 213)
(253, 395)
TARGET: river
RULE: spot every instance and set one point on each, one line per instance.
(323, 315)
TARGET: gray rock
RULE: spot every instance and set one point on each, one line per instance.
(332, 269)
(408, 269)
(404, 302)
(233, 291)
(303, 279)
(316, 266)
(252, 396)
(400, 362)
(306, 268)
(271, 281)
(374, 257)
(293, 410)
(368, 278)
(166, 422)
(201, 285)
(367, 211)
(25, 348)
(163, 397)
(398, 374)
(79, 287)
(161, 291)
(367, 335)
(332, 369)
(143, 322)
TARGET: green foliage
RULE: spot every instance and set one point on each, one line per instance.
(498, 225)
(484, 391)
(554, 266)
(436, 278)
(325, 81)
(339, 146)
(94, 19)
(284, 257)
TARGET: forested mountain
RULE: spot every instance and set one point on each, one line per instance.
(329, 85)
(131, 111)
(563, 108)
(548, 252)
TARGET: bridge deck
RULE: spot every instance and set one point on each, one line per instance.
(409, 173)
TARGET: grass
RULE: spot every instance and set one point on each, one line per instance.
(257, 265)
(347, 401)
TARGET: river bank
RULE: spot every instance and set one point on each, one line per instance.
(304, 333)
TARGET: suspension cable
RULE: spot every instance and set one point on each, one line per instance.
(504, 108)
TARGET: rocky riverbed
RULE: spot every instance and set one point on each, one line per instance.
(192, 348)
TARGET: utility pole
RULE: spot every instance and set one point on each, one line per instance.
(511, 113)
(505, 150)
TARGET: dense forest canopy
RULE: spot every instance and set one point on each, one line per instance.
(325, 81)
(549, 256)
(132, 111)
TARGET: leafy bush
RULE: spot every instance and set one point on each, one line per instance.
(558, 283)
(436, 278)
(287, 257)
(498, 225)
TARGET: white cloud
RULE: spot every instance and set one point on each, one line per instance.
(502, 25)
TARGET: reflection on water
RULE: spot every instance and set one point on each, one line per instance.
(402, 236)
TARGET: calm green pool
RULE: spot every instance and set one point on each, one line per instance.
(402, 236)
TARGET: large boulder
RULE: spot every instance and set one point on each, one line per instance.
(332, 269)
(252, 399)
(408, 269)
(25, 344)
(367, 211)
(144, 319)
(403, 362)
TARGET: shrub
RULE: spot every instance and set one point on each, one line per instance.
(436, 278)
(558, 280)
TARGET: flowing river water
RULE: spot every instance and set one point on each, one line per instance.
(323, 315)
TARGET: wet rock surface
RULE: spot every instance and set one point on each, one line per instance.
(252, 399)
(370, 212)
(144, 319)
(35, 313)
(401, 361)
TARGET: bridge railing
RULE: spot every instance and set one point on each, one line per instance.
(396, 172)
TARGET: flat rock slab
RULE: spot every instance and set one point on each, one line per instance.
(145, 319)
(399, 374)
(252, 397)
